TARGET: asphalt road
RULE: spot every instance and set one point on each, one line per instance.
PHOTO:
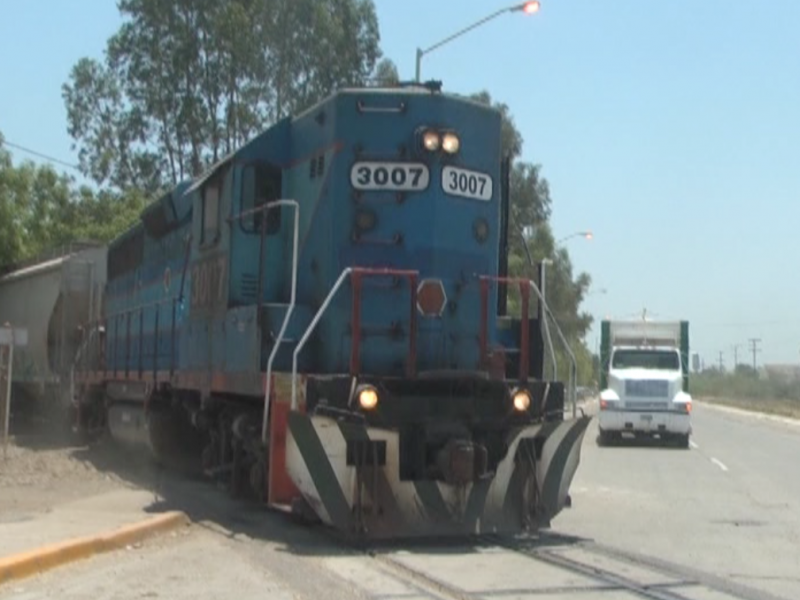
(729, 506)
(727, 510)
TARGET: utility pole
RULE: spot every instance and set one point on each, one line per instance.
(753, 343)
(721, 366)
(736, 355)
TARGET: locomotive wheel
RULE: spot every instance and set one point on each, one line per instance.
(258, 480)
(173, 440)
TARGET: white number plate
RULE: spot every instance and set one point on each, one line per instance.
(389, 176)
(466, 183)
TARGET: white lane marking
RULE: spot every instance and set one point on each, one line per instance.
(719, 463)
(693, 444)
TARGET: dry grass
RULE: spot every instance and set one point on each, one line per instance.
(771, 406)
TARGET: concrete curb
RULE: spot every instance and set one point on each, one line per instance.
(29, 563)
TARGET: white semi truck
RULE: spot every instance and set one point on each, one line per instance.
(645, 380)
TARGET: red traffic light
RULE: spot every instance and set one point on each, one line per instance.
(530, 7)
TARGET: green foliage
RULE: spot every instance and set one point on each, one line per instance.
(529, 191)
(32, 200)
(185, 82)
(104, 215)
(41, 209)
(386, 73)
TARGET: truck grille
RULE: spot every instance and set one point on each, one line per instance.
(647, 405)
(647, 388)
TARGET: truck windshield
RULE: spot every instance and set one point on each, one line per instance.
(646, 359)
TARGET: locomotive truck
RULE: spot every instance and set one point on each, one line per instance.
(320, 318)
(645, 380)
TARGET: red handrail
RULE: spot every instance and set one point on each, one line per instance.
(525, 291)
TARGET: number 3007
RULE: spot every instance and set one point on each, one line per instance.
(389, 176)
(466, 183)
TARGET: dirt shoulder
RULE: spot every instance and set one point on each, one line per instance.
(35, 478)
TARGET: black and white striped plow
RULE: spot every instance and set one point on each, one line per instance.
(349, 474)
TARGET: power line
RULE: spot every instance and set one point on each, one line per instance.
(753, 342)
(40, 155)
(735, 348)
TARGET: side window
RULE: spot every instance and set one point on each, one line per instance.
(261, 184)
(210, 198)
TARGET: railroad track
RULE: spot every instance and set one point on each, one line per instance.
(546, 565)
(579, 567)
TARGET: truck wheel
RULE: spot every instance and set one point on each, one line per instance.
(682, 440)
(604, 438)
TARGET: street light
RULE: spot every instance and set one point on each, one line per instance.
(586, 234)
(527, 7)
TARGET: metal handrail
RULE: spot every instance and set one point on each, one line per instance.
(549, 339)
(554, 358)
(309, 330)
(93, 331)
(279, 340)
(329, 298)
(523, 282)
(96, 325)
(573, 384)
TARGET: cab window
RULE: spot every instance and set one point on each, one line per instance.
(261, 184)
(211, 194)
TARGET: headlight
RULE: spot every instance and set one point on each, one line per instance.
(522, 400)
(367, 397)
(430, 141)
(450, 143)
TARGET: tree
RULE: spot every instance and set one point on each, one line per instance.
(386, 73)
(41, 209)
(185, 82)
(32, 200)
(531, 205)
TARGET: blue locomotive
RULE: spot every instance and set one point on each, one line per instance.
(320, 319)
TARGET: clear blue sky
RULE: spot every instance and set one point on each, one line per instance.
(671, 129)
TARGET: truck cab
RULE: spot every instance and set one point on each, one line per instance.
(645, 382)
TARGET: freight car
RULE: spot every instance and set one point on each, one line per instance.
(320, 318)
(51, 296)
